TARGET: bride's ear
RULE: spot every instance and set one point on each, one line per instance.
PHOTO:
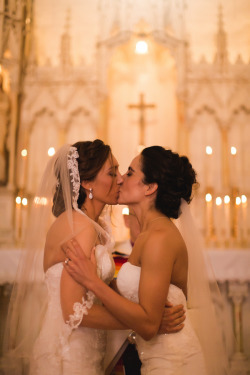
(87, 185)
(151, 188)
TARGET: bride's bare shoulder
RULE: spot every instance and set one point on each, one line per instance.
(62, 226)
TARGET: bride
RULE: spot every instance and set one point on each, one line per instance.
(158, 187)
(60, 329)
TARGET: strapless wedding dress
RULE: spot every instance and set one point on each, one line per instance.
(170, 354)
(67, 349)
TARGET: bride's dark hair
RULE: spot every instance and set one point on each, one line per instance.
(92, 156)
(174, 175)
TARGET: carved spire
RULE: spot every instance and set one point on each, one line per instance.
(221, 55)
(65, 52)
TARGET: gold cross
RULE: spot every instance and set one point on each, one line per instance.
(142, 106)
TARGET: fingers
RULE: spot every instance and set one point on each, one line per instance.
(168, 304)
(66, 246)
(175, 311)
(76, 247)
(175, 329)
(71, 246)
(173, 317)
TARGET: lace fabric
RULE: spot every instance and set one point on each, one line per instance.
(30, 300)
(80, 309)
(74, 173)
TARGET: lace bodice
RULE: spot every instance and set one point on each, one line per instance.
(65, 348)
(173, 354)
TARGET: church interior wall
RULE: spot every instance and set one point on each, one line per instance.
(79, 73)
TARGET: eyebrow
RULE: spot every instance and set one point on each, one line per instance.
(131, 169)
(113, 166)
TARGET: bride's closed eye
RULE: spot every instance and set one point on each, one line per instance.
(129, 172)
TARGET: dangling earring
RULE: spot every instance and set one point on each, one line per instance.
(90, 194)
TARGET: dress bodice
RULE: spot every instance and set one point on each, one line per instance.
(128, 280)
(105, 268)
(67, 348)
(164, 354)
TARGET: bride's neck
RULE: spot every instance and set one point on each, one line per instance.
(92, 209)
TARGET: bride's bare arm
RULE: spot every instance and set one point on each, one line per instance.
(146, 316)
(72, 292)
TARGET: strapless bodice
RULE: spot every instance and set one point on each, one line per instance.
(164, 354)
(67, 348)
(128, 280)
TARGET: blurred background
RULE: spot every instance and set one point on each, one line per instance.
(133, 73)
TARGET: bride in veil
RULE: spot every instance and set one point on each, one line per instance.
(165, 263)
(55, 326)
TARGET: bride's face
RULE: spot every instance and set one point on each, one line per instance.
(132, 189)
(106, 185)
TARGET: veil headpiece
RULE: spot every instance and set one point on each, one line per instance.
(201, 286)
(58, 192)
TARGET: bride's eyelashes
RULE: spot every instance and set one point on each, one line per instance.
(129, 172)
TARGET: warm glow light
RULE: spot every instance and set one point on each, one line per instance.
(24, 152)
(41, 200)
(243, 199)
(209, 150)
(18, 200)
(125, 211)
(141, 47)
(238, 201)
(140, 148)
(218, 201)
(51, 151)
(233, 150)
(208, 197)
(24, 201)
(226, 199)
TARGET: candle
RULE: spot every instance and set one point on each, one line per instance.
(227, 222)
(209, 166)
(18, 218)
(244, 218)
(23, 168)
(24, 217)
(237, 218)
(209, 216)
(218, 220)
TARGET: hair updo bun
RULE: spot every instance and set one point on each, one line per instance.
(92, 156)
(174, 175)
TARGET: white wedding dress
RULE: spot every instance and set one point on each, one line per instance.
(170, 354)
(67, 349)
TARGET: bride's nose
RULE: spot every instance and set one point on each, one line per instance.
(119, 178)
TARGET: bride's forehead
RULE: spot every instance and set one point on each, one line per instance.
(111, 162)
(136, 161)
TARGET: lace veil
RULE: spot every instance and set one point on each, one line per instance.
(201, 285)
(58, 190)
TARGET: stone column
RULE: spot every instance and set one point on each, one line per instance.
(238, 291)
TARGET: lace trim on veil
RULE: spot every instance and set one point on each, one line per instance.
(80, 309)
(74, 174)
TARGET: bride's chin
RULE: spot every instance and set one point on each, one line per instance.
(120, 201)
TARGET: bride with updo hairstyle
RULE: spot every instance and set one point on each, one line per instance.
(174, 175)
(166, 264)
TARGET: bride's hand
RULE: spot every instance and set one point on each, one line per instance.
(82, 269)
(172, 319)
